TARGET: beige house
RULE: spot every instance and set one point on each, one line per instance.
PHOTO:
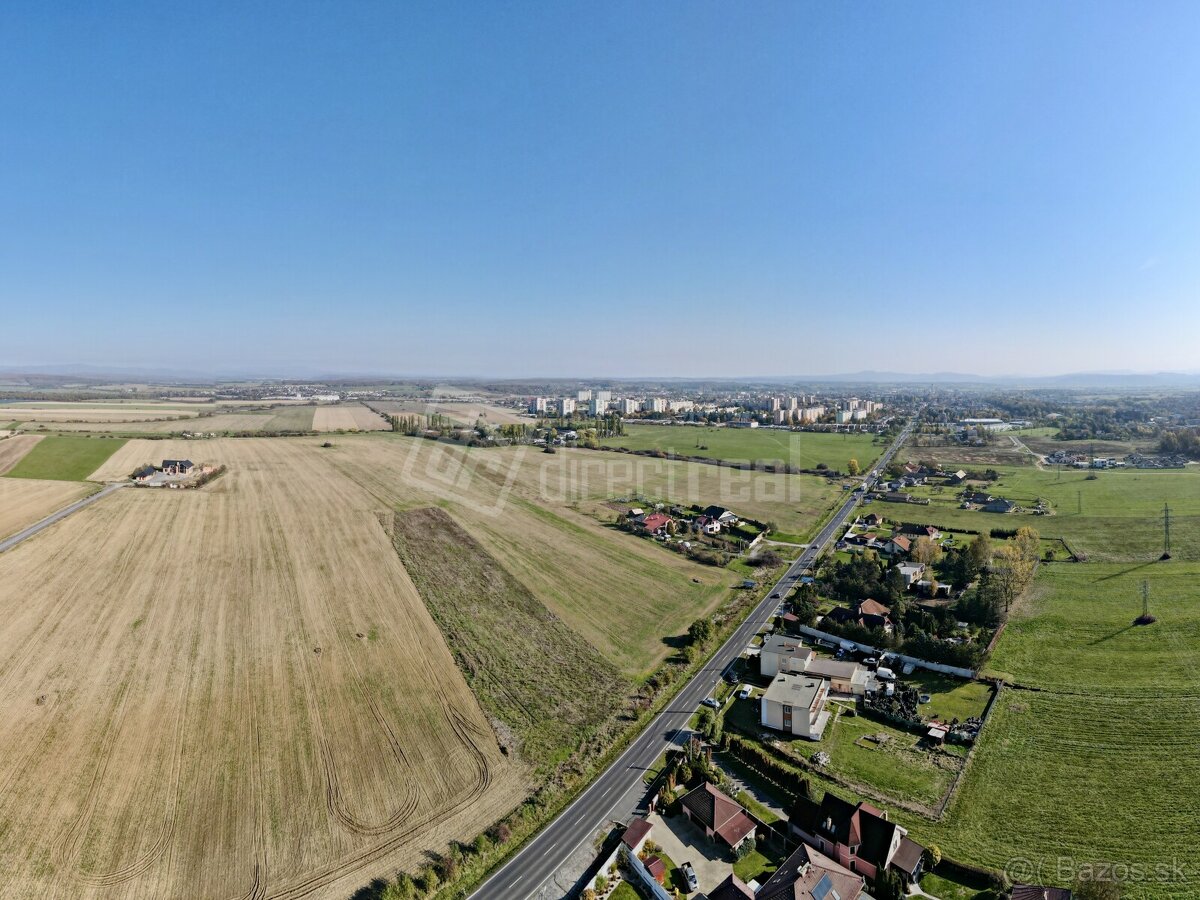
(795, 704)
(844, 677)
(782, 655)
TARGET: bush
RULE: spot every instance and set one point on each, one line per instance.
(744, 849)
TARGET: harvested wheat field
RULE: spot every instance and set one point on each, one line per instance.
(621, 593)
(24, 501)
(234, 692)
(348, 417)
(101, 414)
(12, 449)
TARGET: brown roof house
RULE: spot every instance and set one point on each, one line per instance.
(859, 837)
(809, 874)
(732, 888)
(719, 816)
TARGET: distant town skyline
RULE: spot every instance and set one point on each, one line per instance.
(551, 190)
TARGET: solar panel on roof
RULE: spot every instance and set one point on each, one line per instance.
(824, 890)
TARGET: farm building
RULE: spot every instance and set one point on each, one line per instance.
(145, 473)
(795, 704)
(1000, 505)
(719, 815)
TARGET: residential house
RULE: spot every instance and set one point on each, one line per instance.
(844, 677)
(874, 520)
(725, 517)
(957, 477)
(1000, 505)
(868, 613)
(732, 888)
(898, 546)
(719, 816)
(708, 526)
(176, 466)
(657, 523)
(795, 704)
(809, 874)
(911, 573)
(896, 496)
(858, 837)
(976, 497)
(145, 473)
(780, 653)
(915, 531)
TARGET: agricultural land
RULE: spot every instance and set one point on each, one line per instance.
(798, 449)
(385, 632)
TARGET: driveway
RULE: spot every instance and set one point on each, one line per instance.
(684, 842)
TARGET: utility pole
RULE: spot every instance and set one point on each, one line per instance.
(1166, 554)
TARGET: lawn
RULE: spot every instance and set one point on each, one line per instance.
(624, 891)
(65, 458)
(950, 698)
(801, 449)
(947, 889)
(894, 767)
(755, 866)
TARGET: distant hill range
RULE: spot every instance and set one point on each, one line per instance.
(1111, 380)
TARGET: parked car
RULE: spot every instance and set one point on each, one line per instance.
(744, 693)
(689, 875)
(711, 703)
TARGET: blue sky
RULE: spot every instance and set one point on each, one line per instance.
(601, 188)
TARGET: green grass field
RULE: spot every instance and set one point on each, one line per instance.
(291, 418)
(1109, 741)
(522, 663)
(65, 458)
(1115, 516)
(802, 449)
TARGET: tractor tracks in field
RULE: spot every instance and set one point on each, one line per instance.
(70, 845)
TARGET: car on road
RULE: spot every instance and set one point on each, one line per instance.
(689, 875)
(711, 702)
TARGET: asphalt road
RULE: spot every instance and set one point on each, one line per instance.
(10, 542)
(619, 791)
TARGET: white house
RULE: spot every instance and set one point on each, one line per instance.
(795, 704)
(911, 573)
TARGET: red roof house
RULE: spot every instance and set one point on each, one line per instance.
(718, 815)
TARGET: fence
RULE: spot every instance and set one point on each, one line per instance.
(639, 873)
(811, 632)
